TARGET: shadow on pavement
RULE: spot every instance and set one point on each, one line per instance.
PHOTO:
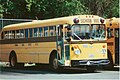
(44, 69)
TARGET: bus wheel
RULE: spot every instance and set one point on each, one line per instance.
(13, 61)
(54, 63)
(110, 65)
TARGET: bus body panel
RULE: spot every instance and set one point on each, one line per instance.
(89, 51)
(29, 53)
(31, 46)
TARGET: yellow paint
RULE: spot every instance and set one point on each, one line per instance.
(37, 54)
(89, 51)
(40, 52)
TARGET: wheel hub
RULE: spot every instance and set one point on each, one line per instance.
(55, 63)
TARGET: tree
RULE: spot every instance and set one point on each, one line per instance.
(14, 9)
(104, 8)
(112, 10)
(1, 11)
(44, 9)
(54, 8)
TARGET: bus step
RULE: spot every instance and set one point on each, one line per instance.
(117, 66)
(61, 62)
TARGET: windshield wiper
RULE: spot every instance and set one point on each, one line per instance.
(77, 36)
(98, 38)
(101, 35)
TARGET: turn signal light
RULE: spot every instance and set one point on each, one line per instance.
(103, 46)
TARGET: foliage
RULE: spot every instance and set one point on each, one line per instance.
(42, 9)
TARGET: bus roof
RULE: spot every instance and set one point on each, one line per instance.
(48, 22)
(113, 22)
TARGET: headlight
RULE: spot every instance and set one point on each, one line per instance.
(77, 51)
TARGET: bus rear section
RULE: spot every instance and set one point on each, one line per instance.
(113, 26)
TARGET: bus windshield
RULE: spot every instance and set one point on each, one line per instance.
(81, 32)
(98, 32)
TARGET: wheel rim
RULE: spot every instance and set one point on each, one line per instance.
(55, 63)
(13, 61)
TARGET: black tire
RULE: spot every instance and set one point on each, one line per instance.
(13, 60)
(110, 65)
(54, 63)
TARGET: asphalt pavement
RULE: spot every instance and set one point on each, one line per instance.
(43, 73)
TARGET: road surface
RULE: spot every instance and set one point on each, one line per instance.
(43, 73)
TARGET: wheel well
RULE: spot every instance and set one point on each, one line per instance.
(53, 53)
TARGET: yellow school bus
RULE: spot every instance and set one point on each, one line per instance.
(113, 40)
(73, 41)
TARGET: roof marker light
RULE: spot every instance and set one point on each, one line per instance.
(102, 20)
(76, 20)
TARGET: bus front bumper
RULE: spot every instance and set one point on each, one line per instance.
(90, 62)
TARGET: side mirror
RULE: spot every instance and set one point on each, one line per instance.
(68, 27)
(68, 36)
(68, 39)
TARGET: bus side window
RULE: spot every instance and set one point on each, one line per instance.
(17, 34)
(12, 34)
(36, 32)
(41, 32)
(51, 31)
(112, 34)
(30, 32)
(117, 33)
(21, 33)
(46, 32)
(109, 33)
(26, 33)
(6, 36)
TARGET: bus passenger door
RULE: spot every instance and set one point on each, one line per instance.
(60, 43)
